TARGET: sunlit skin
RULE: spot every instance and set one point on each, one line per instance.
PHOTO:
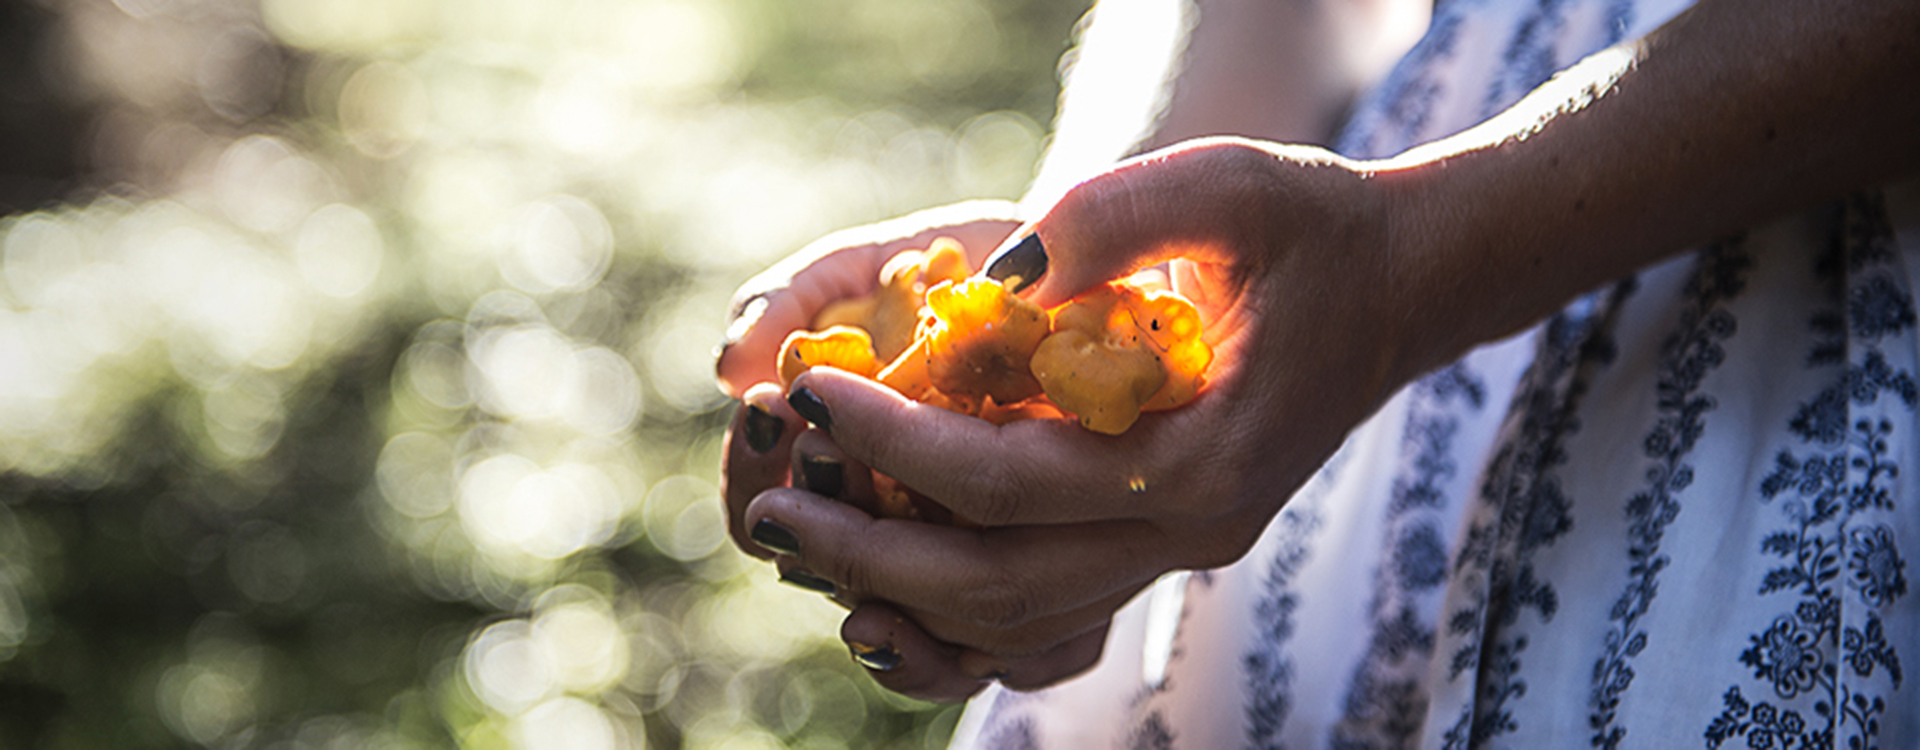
(1325, 284)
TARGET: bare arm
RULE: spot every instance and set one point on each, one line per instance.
(1728, 116)
(1151, 73)
(1731, 114)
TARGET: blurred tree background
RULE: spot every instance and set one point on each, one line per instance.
(355, 355)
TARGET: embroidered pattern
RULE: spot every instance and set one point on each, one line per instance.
(1403, 105)
(1385, 703)
(1152, 734)
(1014, 735)
(1686, 357)
(1829, 494)
(1524, 509)
(1269, 670)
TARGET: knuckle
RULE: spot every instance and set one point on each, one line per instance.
(1213, 556)
(1225, 545)
(850, 571)
(880, 442)
(1193, 478)
(1018, 643)
(998, 490)
(999, 603)
(1212, 502)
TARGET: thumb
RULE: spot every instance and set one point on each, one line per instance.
(1196, 201)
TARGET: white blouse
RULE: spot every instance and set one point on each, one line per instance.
(1670, 516)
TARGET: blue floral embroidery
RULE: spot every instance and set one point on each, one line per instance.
(1399, 112)
(1686, 357)
(1269, 670)
(1529, 510)
(1876, 568)
(1385, 703)
(1868, 647)
(1015, 735)
(1765, 726)
(1457, 735)
(1008, 727)
(1530, 58)
(1828, 495)
(1152, 734)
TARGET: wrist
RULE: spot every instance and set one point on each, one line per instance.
(1478, 250)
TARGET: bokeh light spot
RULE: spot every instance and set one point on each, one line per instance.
(560, 243)
(383, 109)
(415, 474)
(339, 250)
(685, 518)
(565, 724)
(507, 670)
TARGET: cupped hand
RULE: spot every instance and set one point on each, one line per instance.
(1285, 250)
(785, 298)
(787, 295)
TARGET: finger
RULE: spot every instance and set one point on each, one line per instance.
(786, 296)
(903, 658)
(1052, 667)
(906, 659)
(993, 579)
(1194, 200)
(821, 467)
(1043, 635)
(795, 574)
(1177, 464)
(783, 299)
(757, 444)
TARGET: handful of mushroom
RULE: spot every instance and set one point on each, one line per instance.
(970, 346)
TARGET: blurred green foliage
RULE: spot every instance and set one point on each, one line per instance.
(361, 396)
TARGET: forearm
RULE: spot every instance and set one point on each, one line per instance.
(1150, 73)
(1281, 71)
(1729, 115)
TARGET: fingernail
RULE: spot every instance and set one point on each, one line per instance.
(811, 408)
(823, 476)
(998, 674)
(1021, 266)
(876, 658)
(808, 581)
(763, 428)
(775, 537)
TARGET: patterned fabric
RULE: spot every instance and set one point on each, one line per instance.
(1673, 515)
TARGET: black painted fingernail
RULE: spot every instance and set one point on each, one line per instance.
(876, 658)
(775, 537)
(763, 428)
(1020, 267)
(823, 476)
(808, 581)
(811, 408)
